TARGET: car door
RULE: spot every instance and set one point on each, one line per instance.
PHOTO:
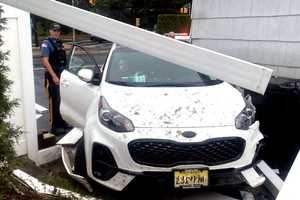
(76, 94)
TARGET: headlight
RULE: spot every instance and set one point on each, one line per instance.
(247, 117)
(112, 119)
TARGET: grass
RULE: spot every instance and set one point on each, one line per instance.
(64, 183)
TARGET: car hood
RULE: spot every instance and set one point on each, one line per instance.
(172, 107)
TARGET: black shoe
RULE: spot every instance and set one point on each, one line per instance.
(68, 128)
(58, 131)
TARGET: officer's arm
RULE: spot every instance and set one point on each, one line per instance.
(46, 64)
(45, 61)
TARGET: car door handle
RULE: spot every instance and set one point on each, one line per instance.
(65, 83)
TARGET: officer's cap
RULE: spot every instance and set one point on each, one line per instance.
(55, 27)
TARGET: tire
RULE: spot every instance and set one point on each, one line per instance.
(261, 193)
(80, 161)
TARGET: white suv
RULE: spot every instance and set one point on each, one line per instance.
(142, 116)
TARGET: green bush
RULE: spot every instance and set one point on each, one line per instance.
(7, 132)
(178, 23)
(41, 29)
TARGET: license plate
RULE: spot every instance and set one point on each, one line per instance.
(193, 178)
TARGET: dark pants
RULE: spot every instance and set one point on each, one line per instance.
(58, 125)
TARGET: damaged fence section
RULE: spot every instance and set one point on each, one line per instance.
(45, 189)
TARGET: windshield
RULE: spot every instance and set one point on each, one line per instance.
(132, 68)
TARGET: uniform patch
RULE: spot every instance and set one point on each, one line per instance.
(44, 45)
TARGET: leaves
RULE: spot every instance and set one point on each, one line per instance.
(173, 22)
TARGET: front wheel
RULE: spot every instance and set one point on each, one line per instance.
(80, 162)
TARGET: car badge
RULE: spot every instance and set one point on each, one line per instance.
(189, 134)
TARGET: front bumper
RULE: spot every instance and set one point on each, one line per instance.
(118, 179)
(216, 177)
(224, 177)
(122, 168)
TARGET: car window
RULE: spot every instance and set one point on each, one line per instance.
(80, 59)
(133, 68)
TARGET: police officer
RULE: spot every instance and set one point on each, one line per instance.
(54, 61)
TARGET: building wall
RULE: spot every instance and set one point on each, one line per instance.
(265, 32)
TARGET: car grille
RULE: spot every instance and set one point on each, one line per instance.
(166, 153)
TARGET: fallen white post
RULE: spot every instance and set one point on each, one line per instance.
(37, 116)
(232, 70)
(40, 109)
(274, 182)
(46, 189)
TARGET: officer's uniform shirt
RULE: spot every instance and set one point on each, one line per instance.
(47, 47)
(54, 50)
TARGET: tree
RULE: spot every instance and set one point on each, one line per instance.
(147, 10)
(7, 132)
(125, 11)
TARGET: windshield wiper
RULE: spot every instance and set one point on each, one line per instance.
(135, 84)
(187, 84)
(122, 83)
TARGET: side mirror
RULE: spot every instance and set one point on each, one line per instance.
(86, 75)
